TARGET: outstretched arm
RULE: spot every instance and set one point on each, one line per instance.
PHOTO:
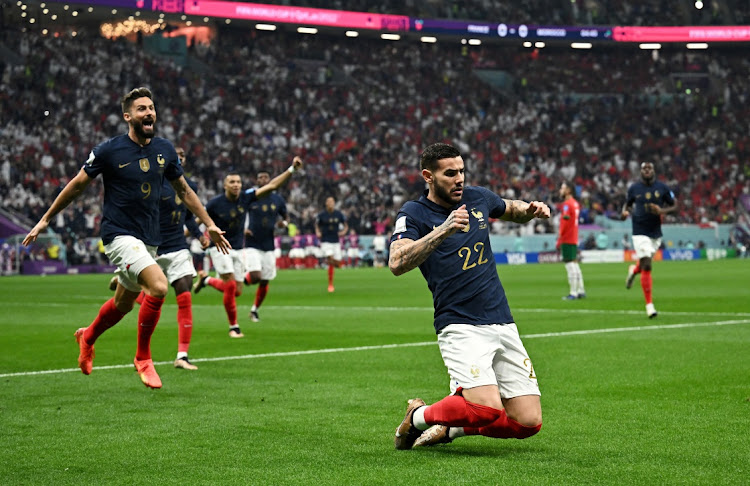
(190, 198)
(279, 180)
(406, 255)
(70, 192)
(522, 212)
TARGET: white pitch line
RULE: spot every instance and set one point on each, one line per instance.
(323, 308)
(390, 346)
(518, 309)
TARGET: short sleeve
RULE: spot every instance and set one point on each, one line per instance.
(495, 203)
(96, 160)
(174, 167)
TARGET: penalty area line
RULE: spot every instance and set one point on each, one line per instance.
(581, 332)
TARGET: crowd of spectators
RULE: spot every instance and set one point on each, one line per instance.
(360, 112)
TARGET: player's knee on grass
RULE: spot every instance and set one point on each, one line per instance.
(510, 430)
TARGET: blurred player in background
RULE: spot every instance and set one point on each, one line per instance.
(260, 252)
(446, 234)
(352, 252)
(297, 251)
(231, 209)
(567, 241)
(648, 199)
(176, 261)
(134, 167)
(330, 225)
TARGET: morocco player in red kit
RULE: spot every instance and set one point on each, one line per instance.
(567, 241)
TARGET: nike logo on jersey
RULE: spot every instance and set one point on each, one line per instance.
(124, 165)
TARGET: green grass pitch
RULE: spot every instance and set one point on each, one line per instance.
(313, 393)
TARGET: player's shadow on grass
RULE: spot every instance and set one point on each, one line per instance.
(478, 450)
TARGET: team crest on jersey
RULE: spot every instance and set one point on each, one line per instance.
(648, 195)
(145, 165)
(177, 200)
(474, 370)
(656, 194)
(480, 218)
(161, 161)
(264, 208)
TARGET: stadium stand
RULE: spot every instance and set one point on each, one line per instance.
(359, 112)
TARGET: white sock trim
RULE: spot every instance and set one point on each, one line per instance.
(418, 418)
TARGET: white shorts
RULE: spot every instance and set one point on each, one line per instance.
(488, 355)
(176, 264)
(645, 246)
(331, 250)
(352, 252)
(312, 251)
(233, 262)
(265, 261)
(297, 253)
(131, 256)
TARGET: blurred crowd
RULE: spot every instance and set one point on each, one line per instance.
(359, 112)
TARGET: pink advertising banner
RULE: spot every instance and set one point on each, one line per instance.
(723, 33)
(297, 15)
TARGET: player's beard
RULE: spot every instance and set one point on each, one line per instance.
(141, 131)
(446, 196)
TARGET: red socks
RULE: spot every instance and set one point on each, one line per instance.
(503, 428)
(216, 283)
(455, 411)
(108, 316)
(260, 294)
(148, 317)
(330, 274)
(230, 301)
(184, 321)
(646, 285)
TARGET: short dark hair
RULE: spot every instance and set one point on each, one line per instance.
(569, 185)
(435, 152)
(127, 100)
(262, 170)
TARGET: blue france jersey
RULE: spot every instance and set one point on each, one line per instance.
(639, 194)
(173, 217)
(133, 179)
(461, 272)
(263, 215)
(329, 225)
(230, 215)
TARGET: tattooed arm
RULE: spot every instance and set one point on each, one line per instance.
(522, 212)
(406, 255)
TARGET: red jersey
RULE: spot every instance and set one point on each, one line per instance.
(569, 212)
